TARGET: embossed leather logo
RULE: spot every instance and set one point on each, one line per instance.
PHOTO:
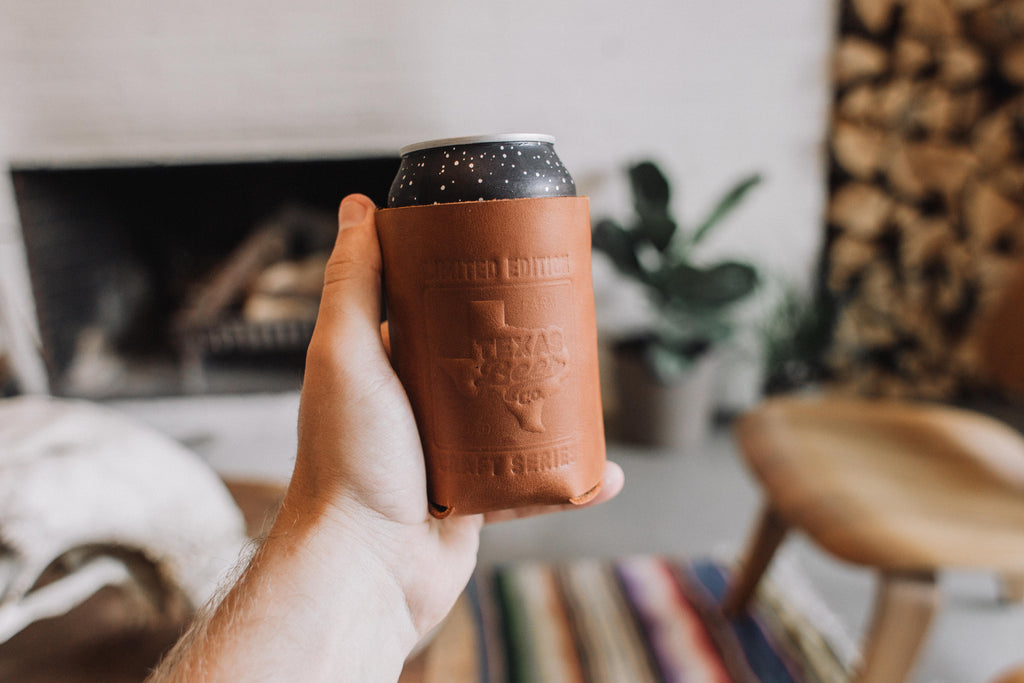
(523, 366)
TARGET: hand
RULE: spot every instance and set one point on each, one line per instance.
(354, 570)
(360, 459)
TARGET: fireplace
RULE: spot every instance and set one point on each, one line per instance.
(140, 273)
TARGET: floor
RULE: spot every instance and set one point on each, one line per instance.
(696, 503)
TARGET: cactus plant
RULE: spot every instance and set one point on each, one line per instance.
(694, 299)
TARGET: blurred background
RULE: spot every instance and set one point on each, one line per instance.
(843, 179)
(710, 93)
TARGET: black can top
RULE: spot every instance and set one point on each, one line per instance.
(479, 168)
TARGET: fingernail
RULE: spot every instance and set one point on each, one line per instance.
(352, 211)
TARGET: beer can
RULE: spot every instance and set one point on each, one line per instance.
(480, 168)
(487, 278)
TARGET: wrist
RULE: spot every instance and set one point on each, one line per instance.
(343, 586)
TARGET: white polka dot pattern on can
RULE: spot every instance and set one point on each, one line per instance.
(480, 171)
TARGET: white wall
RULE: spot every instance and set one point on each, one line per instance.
(711, 89)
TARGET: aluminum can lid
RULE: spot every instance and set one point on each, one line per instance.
(476, 140)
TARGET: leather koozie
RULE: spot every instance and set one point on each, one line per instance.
(491, 318)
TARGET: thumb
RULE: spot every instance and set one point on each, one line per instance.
(349, 319)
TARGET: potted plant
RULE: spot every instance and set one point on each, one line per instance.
(664, 375)
(795, 339)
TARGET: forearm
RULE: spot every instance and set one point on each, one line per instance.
(315, 603)
(355, 569)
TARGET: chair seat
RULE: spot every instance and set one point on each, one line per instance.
(894, 485)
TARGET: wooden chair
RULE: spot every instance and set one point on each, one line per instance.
(906, 488)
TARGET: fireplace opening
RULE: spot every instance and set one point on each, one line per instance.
(155, 280)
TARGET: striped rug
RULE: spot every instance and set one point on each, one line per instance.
(631, 620)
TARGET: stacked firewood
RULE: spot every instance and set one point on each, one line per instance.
(926, 209)
(264, 297)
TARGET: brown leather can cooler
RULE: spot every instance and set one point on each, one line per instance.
(491, 317)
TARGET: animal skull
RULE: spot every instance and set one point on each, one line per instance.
(110, 501)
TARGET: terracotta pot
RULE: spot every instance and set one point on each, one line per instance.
(675, 416)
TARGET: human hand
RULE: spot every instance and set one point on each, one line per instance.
(354, 570)
(360, 462)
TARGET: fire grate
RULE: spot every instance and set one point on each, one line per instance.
(118, 254)
(219, 319)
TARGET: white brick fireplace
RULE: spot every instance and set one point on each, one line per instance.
(711, 90)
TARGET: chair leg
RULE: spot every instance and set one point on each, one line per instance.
(904, 607)
(770, 531)
(1012, 587)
